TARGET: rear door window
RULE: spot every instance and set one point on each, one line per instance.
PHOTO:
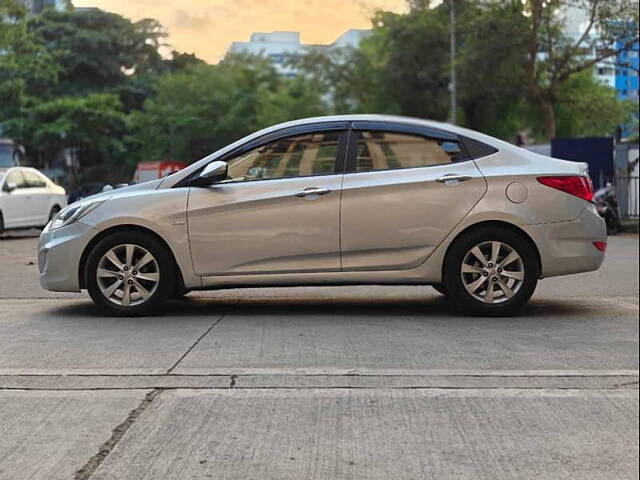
(33, 180)
(377, 150)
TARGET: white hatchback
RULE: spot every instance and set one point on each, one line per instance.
(28, 198)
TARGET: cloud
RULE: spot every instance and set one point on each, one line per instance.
(188, 21)
(208, 27)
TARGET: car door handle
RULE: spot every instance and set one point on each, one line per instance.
(307, 192)
(452, 177)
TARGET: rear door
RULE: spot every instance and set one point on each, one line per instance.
(278, 212)
(40, 197)
(405, 188)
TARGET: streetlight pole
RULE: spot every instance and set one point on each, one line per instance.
(452, 47)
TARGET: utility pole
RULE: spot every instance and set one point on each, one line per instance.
(452, 82)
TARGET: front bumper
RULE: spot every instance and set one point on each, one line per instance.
(59, 253)
(567, 247)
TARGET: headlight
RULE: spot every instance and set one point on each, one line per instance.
(73, 212)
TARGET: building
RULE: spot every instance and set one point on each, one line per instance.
(626, 82)
(37, 6)
(278, 46)
(620, 72)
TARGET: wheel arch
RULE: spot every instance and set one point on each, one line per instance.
(500, 224)
(128, 228)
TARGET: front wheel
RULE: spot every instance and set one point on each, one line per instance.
(491, 271)
(129, 274)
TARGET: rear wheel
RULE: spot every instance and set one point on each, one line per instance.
(130, 274)
(491, 271)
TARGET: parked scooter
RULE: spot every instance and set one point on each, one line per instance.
(607, 206)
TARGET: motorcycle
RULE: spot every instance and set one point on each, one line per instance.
(607, 205)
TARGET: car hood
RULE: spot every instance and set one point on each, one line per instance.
(124, 191)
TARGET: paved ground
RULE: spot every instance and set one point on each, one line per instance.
(320, 383)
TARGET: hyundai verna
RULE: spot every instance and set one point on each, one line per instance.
(362, 199)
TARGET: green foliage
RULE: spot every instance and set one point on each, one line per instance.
(294, 98)
(555, 56)
(94, 123)
(201, 109)
(403, 68)
(97, 50)
(491, 69)
(96, 82)
(67, 77)
(588, 108)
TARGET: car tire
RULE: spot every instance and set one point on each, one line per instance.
(1, 223)
(54, 211)
(499, 284)
(139, 264)
(439, 287)
(179, 292)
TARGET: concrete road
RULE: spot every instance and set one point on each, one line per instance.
(321, 383)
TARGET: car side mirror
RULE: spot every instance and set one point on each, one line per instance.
(10, 186)
(212, 173)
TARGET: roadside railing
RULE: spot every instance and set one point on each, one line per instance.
(628, 193)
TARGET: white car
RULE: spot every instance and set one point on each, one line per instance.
(28, 198)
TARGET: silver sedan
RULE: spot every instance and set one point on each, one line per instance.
(361, 199)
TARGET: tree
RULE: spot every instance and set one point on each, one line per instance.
(26, 66)
(199, 110)
(491, 68)
(93, 124)
(294, 98)
(97, 50)
(588, 108)
(554, 55)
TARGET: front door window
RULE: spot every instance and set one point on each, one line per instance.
(299, 156)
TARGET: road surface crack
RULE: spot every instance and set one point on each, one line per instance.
(196, 343)
(117, 433)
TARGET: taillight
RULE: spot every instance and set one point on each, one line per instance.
(581, 187)
(602, 246)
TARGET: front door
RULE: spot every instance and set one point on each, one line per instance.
(397, 204)
(278, 211)
(19, 210)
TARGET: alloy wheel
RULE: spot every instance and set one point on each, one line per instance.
(128, 275)
(492, 272)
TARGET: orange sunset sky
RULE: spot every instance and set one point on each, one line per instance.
(207, 27)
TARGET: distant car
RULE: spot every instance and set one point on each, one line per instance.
(86, 190)
(147, 171)
(358, 199)
(28, 198)
(9, 154)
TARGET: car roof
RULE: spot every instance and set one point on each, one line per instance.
(481, 137)
(390, 119)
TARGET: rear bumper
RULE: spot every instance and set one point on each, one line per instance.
(567, 247)
(59, 253)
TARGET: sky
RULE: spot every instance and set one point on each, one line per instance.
(207, 27)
